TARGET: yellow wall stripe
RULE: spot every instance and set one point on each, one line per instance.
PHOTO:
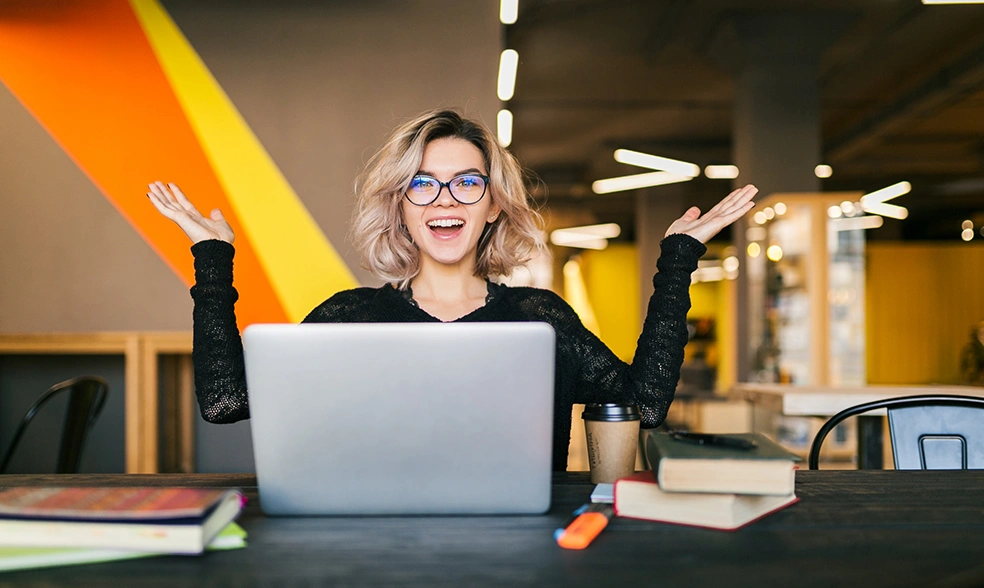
(301, 264)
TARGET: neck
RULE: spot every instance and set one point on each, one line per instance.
(447, 287)
(448, 295)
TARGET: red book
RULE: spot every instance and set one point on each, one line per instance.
(640, 497)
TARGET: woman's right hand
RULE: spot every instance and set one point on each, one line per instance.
(173, 204)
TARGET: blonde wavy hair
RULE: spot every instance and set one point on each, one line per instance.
(379, 232)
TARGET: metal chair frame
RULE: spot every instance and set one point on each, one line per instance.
(86, 400)
(892, 404)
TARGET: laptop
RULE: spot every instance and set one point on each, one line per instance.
(406, 419)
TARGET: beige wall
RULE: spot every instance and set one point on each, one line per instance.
(320, 84)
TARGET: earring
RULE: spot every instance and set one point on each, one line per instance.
(493, 218)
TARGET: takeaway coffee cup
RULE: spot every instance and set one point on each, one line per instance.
(612, 432)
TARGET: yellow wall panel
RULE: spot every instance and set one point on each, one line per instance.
(705, 299)
(611, 277)
(922, 301)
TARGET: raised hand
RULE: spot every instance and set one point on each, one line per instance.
(702, 228)
(173, 204)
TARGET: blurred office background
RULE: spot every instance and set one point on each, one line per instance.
(804, 99)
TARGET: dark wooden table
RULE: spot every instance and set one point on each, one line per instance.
(851, 528)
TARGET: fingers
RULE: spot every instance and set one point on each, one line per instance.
(160, 193)
(735, 204)
(160, 205)
(182, 199)
(171, 197)
(162, 201)
(739, 197)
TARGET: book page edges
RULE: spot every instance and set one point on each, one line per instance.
(714, 511)
(761, 477)
(146, 536)
(736, 524)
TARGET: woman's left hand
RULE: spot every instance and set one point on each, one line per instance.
(702, 228)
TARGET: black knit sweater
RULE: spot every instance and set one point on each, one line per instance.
(586, 370)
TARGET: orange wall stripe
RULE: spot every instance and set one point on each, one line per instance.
(302, 269)
(86, 72)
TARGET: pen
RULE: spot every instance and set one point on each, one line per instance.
(585, 527)
(718, 440)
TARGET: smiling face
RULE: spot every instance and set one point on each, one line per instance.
(445, 231)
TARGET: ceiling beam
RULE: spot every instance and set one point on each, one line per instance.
(947, 85)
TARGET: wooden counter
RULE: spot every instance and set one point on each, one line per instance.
(826, 401)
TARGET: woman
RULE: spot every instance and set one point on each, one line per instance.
(441, 208)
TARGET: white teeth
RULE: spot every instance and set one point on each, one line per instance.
(446, 222)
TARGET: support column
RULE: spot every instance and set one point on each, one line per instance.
(776, 139)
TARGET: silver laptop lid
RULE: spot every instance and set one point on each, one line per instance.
(401, 418)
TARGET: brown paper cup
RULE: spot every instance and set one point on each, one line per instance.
(612, 449)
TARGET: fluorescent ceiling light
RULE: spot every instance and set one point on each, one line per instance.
(587, 237)
(633, 182)
(504, 124)
(714, 270)
(674, 166)
(721, 172)
(707, 274)
(823, 171)
(591, 243)
(605, 231)
(874, 202)
(508, 11)
(855, 223)
(953, 1)
(508, 64)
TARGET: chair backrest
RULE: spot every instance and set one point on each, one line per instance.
(929, 432)
(87, 394)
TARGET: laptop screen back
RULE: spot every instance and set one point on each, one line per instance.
(401, 418)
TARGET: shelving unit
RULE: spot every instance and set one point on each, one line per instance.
(806, 303)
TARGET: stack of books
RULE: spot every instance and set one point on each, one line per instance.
(714, 481)
(50, 526)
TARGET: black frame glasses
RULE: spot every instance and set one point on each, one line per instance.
(466, 200)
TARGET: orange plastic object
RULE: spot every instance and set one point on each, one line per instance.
(583, 530)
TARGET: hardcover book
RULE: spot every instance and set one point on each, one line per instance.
(147, 519)
(639, 497)
(682, 465)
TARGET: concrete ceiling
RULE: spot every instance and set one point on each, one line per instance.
(901, 90)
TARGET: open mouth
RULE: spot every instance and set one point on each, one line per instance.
(445, 227)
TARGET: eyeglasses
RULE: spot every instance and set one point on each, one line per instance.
(466, 189)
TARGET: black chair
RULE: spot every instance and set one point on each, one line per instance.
(87, 394)
(929, 432)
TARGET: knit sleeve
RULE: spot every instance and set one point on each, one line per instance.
(659, 352)
(651, 379)
(217, 352)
